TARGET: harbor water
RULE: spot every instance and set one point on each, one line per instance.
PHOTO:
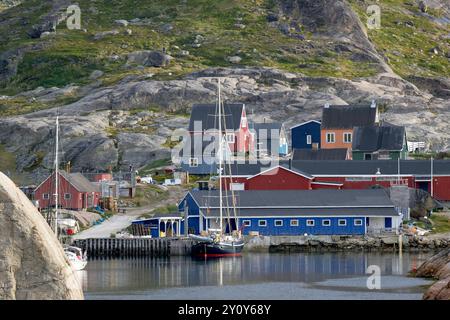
(256, 276)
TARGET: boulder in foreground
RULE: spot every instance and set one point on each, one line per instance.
(33, 265)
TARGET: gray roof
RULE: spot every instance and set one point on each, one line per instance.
(267, 126)
(207, 114)
(362, 167)
(346, 117)
(298, 198)
(250, 169)
(80, 182)
(322, 212)
(374, 138)
(320, 154)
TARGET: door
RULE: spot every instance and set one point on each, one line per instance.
(423, 185)
(388, 223)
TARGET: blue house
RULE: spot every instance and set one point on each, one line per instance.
(294, 212)
(305, 134)
(161, 225)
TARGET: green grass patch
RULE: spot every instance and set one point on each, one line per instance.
(441, 224)
(7, 160)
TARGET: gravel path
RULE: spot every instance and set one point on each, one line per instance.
(120, 221)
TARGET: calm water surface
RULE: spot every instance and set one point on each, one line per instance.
(255, 276)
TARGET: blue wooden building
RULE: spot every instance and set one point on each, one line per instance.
(294, 212)
(162, 225)
(305, 135)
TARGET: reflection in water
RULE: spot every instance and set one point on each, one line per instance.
(146, 274)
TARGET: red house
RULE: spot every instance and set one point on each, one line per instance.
(76, 192)
(234, 125)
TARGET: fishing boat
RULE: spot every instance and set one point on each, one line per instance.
(216, 243)
(75, 255)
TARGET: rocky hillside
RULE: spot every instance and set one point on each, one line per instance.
(128, 77)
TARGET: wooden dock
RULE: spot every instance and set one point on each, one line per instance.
(134, 247)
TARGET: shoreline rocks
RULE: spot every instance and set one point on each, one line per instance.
(438, 267)
(388, 243)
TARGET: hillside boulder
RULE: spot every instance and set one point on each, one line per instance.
(32, 262)
(149, 58)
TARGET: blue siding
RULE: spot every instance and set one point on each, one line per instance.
(299, 133)
(302, 228)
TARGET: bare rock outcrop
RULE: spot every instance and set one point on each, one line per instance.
(32, 262)
(437, 267)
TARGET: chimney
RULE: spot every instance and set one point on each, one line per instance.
(378, 171)
(327, 105)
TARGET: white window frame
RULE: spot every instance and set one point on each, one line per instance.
(262, 223)
(309, 139)
(326, 225)
(331, 134)
(358, 224)
(67, 196)
(46, 196)
(232, 135)
(296, 224)
(247, 223)
(193, 162)
(340, 222)
(345, 135)
(277, 222)
(310, 223)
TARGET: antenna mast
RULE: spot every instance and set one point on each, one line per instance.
(56, 176)
(220, 154)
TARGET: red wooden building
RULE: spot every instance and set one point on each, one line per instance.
(305, 175)
(76, 192)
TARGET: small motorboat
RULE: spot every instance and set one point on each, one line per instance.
(76, 257)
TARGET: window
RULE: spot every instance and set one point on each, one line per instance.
(310, 223)
(193, 162)
(353, 179)
(308, 139)
(384, 155)
(46, 196)
(358, 222)
(330, 137)
(294, 223)
(262, 223)
(247, 223)
(347, 137)
(278, 223)
(326, 223)
(367, 156)
(67, 196)
(244, 122)
(230, 137)
(342, 222)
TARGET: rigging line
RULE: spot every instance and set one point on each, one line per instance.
(226, 189)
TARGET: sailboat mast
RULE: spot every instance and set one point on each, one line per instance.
(220, 154)
(56, 176)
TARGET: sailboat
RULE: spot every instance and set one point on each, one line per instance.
(75, 255)
(217, 243)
